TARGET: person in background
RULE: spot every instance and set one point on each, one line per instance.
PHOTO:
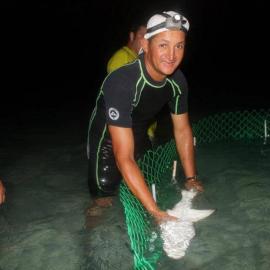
(130, 51)
(129, 99)
(2, 193)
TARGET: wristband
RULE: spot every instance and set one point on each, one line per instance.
(195, 177)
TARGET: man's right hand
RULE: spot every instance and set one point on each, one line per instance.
(162, 216)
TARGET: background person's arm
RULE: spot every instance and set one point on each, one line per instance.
(185, 148)
(2, 193)
(123, 147)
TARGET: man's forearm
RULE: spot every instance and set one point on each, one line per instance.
(136, 183)
(185, 149)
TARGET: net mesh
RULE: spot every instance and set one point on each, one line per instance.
(156, 166)
(240, 125)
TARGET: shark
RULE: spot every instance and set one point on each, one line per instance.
(177, 235)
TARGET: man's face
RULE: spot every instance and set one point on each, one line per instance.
(163, 53)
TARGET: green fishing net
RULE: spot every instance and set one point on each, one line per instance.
(157, 166)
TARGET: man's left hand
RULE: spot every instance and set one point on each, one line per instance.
(196, 184)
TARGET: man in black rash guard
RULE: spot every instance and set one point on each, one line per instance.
(128, 101)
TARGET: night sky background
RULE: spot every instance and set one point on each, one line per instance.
(55, 52)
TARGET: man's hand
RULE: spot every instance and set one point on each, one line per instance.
(2, 193)
(196, 184)
(162, 216)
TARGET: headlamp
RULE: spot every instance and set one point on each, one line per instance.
(172, 22)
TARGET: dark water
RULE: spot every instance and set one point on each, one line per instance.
(236, 236)
(43, 223)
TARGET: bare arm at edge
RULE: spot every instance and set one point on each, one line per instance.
(2, 193)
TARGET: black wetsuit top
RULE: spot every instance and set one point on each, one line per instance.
(129, 98)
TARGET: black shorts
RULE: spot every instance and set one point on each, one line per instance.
(104, 177)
